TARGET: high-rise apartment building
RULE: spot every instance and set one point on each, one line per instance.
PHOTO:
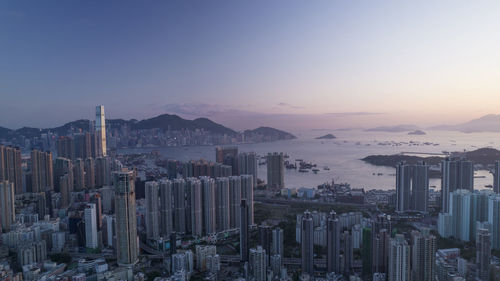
(100, 130)
(412, 187)
(7, 211)
(456, 174)
(90, 216)
(209, 209)
(126, 223)
(399, 259)
(348, 252)
(228, 156)
(483, 253)
(222, 204)
(496, 177)
(423, 258)
(42, 171)
(89, 168)
(179, 197)
(247, 186)
(494, 220)
(247, 165)
(196, 206)
(234, 201)
(275, 170)
(152, 210)
(10, 167)
(307, 240)
(333, 243)
(460, 210)
(258, 264)
(244, 230)
(166, 223)
(278, 244)
(78, 174)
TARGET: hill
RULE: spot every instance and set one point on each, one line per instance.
(487, 123)
(326, 137)
(394, 129)
(268, 134)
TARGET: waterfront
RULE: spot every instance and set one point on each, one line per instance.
(342, 155)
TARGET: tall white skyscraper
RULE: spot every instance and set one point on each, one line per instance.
(91, 226)
(152, 210)
(100, 130)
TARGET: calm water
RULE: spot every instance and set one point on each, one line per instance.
(342, 155)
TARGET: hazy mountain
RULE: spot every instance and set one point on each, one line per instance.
(268, 134)
(487, 123)
(394, 129)
(326, 137)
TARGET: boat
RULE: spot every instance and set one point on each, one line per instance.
(326, 168)
(303, 170)
(315, 170)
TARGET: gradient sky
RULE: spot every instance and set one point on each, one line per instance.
(421, 62)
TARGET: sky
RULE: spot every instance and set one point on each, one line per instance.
(334, 63)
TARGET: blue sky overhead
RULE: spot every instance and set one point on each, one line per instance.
(411, 61)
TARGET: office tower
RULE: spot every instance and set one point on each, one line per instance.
(247, 164)
(10, 167)
(307, 231)
(66, 147)
(258, 264)
(7, 211)
(179, 194)
(209, 213)
(90, 226)
(228, 156)
(102, 171)
(196, 203)
(399, 259)
(244, 229)
(483, 253)
(277, 246)
(222, 204)
(412, 187)
(79, 174)
(89, 168)
(265, 239)
(126, 223)
(152, 210)
(423, 259)
(166, 219)
(380, 250)
(247, 186)
(460, 203)
(234, 201)
(275, 170)
(456, 174)
(494, 220)
(42, 173)
(348, 252)
(496, 177)
(333, 243)
(100, 130)
(367, 250)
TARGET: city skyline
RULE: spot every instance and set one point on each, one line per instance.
(369, 63)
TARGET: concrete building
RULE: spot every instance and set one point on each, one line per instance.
(247, 164)
(258, 264)
(412, 187)
(456, 174)
(483, 253)
(126, 223)
(399, 259)
(307, 247)
(222, 204)
(333, 244)
(234, 201)
(7, 207)
(10, 167)
(209, 208)
(423, 259)
(42, 171)
(165, 192)
(91, 240)
(244, 230)
(152, 210)
(275, 170)
(179, 197)
(247, 186)
(196, 206)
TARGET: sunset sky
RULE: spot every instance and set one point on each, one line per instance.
(354, 63)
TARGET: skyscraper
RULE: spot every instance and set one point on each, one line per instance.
(102, 171)
(307, 231)
(209, 213)
(10, 167)
(399, 259)
(66, 147)
(275, 170)
(460, 210)
(196, 206)
(277, 246)
(42, 173)
(367, 250)
(456, 174)
(90, 226)
(179, 195)
(265, 239)
(247, 164)
(244, 225)
(234, 201)
(412, 187)
(348, 252)
(152, 210)
(247, 186)
(496, 177)
(166, 224)
(90, 173)
(100, 130)
(333, 243)
(78, 174)
(483, 253)
(7, 211)
(126, 223)
(380, 249)
(494, 220)
(228, 156)
(222, 204)
(423, 258)
(258, 264)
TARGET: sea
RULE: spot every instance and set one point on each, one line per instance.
(343, 155)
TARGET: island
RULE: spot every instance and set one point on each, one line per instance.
(326, 137)
(417, 132)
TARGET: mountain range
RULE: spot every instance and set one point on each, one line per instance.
(164, 121)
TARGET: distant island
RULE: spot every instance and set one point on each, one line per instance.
(394, 129)
(417, 132)
(326, 137)
(483, 156)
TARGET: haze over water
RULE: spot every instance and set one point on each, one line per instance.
(342, 155)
